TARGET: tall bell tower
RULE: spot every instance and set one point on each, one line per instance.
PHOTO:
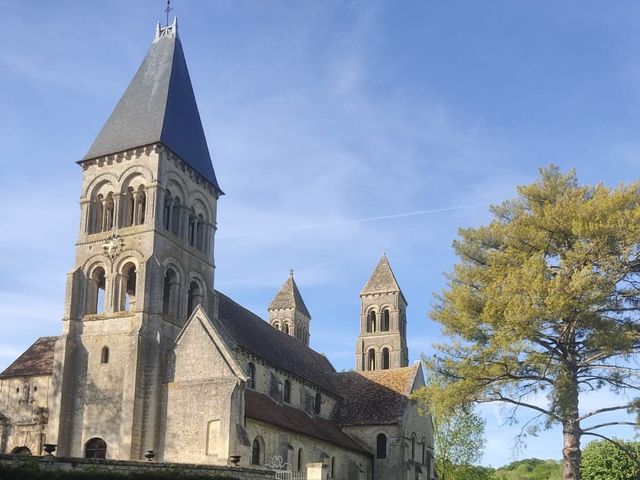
(382, 343)
(144, 261)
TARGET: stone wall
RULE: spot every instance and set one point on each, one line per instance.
(122, 466)
(23, 412)
(301, 450)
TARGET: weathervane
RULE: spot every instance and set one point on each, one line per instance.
(167, 10)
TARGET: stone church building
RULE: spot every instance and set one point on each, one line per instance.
(152, 358)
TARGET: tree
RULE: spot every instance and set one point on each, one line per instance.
(458, 438)
(545, 301)
(605, 460)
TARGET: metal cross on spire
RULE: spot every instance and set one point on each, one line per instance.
(167, 10)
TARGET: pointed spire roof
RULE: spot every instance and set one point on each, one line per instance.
(159, 106)
(382, 280)
(289, 297)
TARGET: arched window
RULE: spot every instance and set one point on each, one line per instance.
(424, 451)
(104, 355)
(129, 280)
(371, 322)
(108, 213)
(300, 460)
(95, 448)
(95, 214)
(317, 404)
(97, 285)
(193, 228)
(194, 298)
(170, 293)
(413, 447)
(333, 467)
(371, 359)
(141, 206)
(256, 451)
(175, 217)
(21, 451)
(381, 446)
(385, 359)
(200, 234)
(251, 375)
(128, 201)
(386, 320)
(166, 210)
(286, 328)
(287, 391)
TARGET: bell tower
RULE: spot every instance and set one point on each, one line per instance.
(382, 343)
(144, 261)
(288, 313)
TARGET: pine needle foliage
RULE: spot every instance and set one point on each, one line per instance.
(543, 306)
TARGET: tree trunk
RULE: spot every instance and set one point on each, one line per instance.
(571, 449)
(567, 393)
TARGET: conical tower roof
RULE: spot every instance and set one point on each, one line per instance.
(382, 280)
(159, 106)
(289, 297)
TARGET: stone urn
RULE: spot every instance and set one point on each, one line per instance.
(234, 459)
(49, 448)
(149, 455)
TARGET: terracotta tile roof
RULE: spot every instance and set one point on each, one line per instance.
(373, 398)
(262, 408)
(37, 360)
(289, 297)
(258, 337)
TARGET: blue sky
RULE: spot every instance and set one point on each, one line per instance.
(321, 118)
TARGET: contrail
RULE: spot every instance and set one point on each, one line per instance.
(358, 220)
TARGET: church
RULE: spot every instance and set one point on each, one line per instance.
(153, 361)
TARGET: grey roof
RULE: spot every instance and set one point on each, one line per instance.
(159, 106)
(253, 334)
(382, 280)
(289, 297)
(36, 360)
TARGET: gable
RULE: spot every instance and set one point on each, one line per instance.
(201, 354)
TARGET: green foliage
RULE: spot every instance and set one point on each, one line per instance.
(471, 472)
(458, 434)
(602, 460)
(545, 301)
(531, 469)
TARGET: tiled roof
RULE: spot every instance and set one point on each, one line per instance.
(289, 297)
(373, 398)
(36, 360)
(258, 337)
(260, 407)
(159, 106)
(382, 280)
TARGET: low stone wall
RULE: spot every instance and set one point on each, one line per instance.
(125, 467)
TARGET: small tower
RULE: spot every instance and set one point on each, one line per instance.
(288, 312)
(382, 343)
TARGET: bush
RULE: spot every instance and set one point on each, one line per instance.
(29, 469)
(602, 460)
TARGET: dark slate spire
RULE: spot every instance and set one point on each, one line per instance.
(159, 106)
(289, 297)
(382, 280)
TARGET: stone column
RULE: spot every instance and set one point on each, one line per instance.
(317, 471)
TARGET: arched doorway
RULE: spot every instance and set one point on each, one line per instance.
(21, 451)
(95, 448)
